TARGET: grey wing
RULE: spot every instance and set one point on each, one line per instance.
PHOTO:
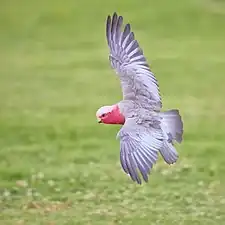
(127, 59)
(139, 149)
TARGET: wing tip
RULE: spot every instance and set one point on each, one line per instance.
(136, 165)
(114, 18)
(115, 15)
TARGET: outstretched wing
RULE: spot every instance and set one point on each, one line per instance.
(139, 147)
(127, 59)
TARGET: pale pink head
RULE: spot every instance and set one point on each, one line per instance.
(110, 115)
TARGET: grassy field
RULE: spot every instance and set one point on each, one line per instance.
(57, 165)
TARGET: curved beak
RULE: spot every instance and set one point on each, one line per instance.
(99, 120)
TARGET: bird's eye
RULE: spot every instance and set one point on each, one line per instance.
(103, 115)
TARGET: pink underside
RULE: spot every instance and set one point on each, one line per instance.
(119, 118)
(115, 117)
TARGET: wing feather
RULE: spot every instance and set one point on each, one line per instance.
(139, 150)
(127, 59)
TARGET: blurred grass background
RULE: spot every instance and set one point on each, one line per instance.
(57, 165)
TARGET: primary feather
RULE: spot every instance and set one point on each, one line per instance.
(127, 59)
(139, 148)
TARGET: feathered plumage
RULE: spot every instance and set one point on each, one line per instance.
(146, 130)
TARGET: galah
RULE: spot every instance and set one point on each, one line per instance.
(146, 130)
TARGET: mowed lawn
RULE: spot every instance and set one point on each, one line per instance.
(57, 164)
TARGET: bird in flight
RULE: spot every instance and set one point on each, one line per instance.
(146, 130)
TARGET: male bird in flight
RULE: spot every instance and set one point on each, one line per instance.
(146, 130)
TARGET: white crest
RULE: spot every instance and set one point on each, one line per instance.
(104, 109)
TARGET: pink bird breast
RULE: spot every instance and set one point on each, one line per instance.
(113, 117)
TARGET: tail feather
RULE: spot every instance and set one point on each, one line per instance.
(172, 127)
(169, 153)
(172, 124)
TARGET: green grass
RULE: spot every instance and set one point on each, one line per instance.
(57, 165)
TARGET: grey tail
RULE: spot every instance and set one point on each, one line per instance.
(172, 127)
